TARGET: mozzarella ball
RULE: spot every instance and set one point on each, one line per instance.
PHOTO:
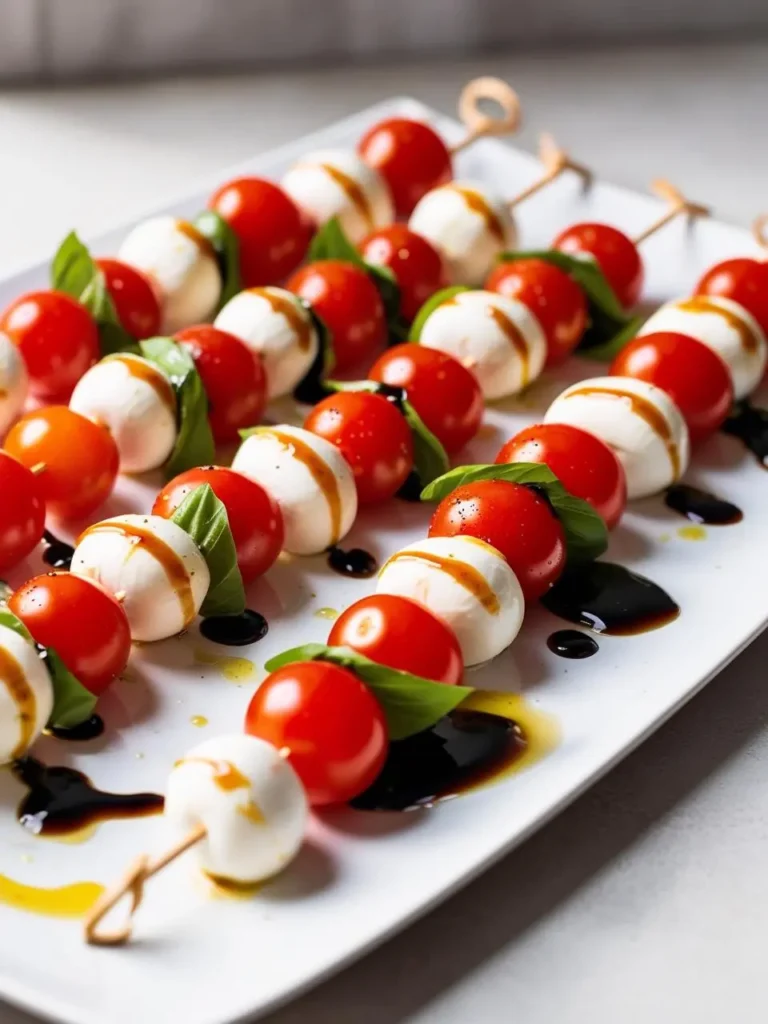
(309, 479)
(274, 323)
(498, 339)
(469, 225)
(135, 401)
(725, 327)
(638, 420)
(466, 583)
(183, 264)
(338, 183)
(26, 695)
(249, 799)
(152, 565)
(14, 384)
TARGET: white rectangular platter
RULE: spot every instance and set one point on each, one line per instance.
(361, 876)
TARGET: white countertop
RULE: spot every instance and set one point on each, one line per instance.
(646, 899)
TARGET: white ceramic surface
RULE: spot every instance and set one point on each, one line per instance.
(207, 961)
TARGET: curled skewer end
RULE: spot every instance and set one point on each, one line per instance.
(478, 123)
(677, 204)
(555, 162)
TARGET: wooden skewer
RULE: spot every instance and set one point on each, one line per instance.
(678, 204)
(479, 124)
(132, 885)
(760, 231)
(555, 162)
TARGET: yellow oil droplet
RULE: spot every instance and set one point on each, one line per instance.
(234, 670)
(692, 533)
(326, 613)
(27, 858)
(664, 538)
(199, 721)
(140, 756)
(225, 889)
(66, 901)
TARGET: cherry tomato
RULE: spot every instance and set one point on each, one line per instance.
(583, 464)
(410, 157)
(616, 254)
(515, 520)
(233, 376)
(398, 632)
(418, 267)
(331, 723)
(83, 623)
(22, 511)
(58, 339)
(74, 460)
(552, 296)
(442, 391)
(694, 377)
(134, 296)
(254, 518)
(272, 232)
(349, 303)
(373, 437)
(743, 280)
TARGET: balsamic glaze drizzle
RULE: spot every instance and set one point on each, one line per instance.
(356, 562)
(87, 730)
(750, 425)
(58, 554)
(235, 630)
(571, 643)
(701, 506)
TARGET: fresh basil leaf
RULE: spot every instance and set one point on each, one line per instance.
(7, 618)
(607, 350)
(194, 444)
(586, 535)
(205, 519)
(331, 243)
(431, 305)
(410, 703)
(311, 389)
(72, 703)
(74, 271)
(227, 248)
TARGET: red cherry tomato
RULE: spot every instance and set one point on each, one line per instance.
(74, 460)
(22, 511)
(272, 232)
(349, 303)
(233, 377)
(331, 723)
(442, 391)
(694, 377)
(515, 520)
(84, 624)
(398, 632)
(418, 267)
(410, 157)
(583, 464)
(254, 518)
(134, 296)
(743, 280)
(57, 337)
(616, 254)
(372, 435)
(552, 296)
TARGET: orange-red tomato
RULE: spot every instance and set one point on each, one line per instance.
(74, 460)
(616, 254)
(134, 296)
(418, 267)
(254, 517)
(22, 511)
(84, 624)
(330, 722)
(744, 281)
(410, 156)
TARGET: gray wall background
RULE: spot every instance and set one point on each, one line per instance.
(44, 39)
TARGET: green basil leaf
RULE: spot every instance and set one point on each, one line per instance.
(331, 243)
(205, 519)
(311, 388)
(586, 535)
(72, 703)
(74, 271)
(431, 305)
(609, 349)
(194, 445)
(7, 618)
(227, 248)
(410, 703)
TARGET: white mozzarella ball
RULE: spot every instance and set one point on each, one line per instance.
(182, 263)
(466, 583)
(135, 401)
(725, 327)
(638, 420)
(469, 225)
(274, 323)
(309, 479)
(338, 183)
(250, 801)
(497, 338)
(26, 695)
(153, 565)
(14, 384)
